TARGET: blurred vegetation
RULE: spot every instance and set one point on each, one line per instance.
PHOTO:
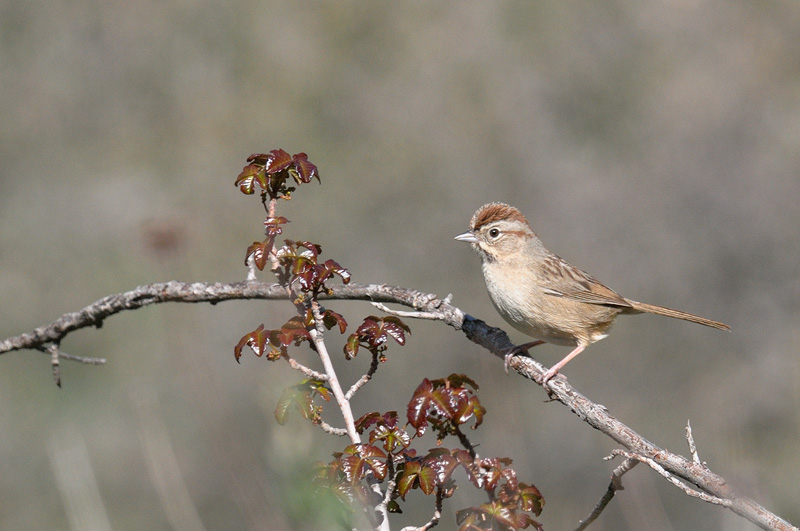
(654, 145)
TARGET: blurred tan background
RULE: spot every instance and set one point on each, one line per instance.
(653, 144)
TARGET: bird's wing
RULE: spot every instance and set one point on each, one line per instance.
(578, 286)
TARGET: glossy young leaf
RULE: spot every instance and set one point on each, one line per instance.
(393, 437)
(373, 333)
(251, 175)
(357, 459)
(276, 161)
(530, 499)
(259, 252)
(257, 340)
(294, 331)
(442, 467)
(271, 171)
(333, 268)
(385, 429)
(272, 225)
(466, 409)
(445, 404)
(331, 319)
(304, 170)
(417, 410)
(366, 420)
(409, 477)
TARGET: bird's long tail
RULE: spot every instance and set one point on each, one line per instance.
(669, 312)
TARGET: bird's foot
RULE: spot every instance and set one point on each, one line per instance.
(549, 375)
(513, 351)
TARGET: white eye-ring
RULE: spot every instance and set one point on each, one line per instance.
(494, 233)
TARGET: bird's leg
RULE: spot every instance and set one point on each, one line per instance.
(513, 351)
(558, 366)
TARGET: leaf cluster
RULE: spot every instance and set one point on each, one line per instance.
(444, 404)
(299, 262)
(275, 343)
(272, 172)
(373, 335)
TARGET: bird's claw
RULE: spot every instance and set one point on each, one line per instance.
(549, 375)
(513, 351)
(507, 359)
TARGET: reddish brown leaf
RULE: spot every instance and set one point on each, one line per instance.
(458, 380)
(277, 160)
(366, 420)
(418, 406)
(333, 268)
(427, 479)
(358, 458)
(304, 170)
(468, 407)
(409, 476)
(273, 225)
(294, 331)
(442, 466)
(331, 319)
(530, 499)
(375, 331)
(251, 175)
(313, 248)
(393, 437)
(258, 158)
(257, 340)
(259, 253)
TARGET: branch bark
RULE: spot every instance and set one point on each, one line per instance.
(428, 306)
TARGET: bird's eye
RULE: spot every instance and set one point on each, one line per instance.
(494, 233)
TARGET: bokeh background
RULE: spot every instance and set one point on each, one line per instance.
(654, 144)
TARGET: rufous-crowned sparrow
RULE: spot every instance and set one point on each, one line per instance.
(542, 295)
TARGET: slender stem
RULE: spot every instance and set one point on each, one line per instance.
(317, 335)
(361, 382)
(613, 487)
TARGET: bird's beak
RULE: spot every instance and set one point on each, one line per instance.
(467, 237)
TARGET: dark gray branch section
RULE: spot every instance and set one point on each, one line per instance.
(493, 339)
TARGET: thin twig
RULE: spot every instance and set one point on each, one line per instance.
(433, 316)
(81, 359)
(672, 479)
(692, 446)
(324, 426)
(613, 487)
(361, 382)
(465, 442)
(311, 373)
(63, 355)
(54, 363)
